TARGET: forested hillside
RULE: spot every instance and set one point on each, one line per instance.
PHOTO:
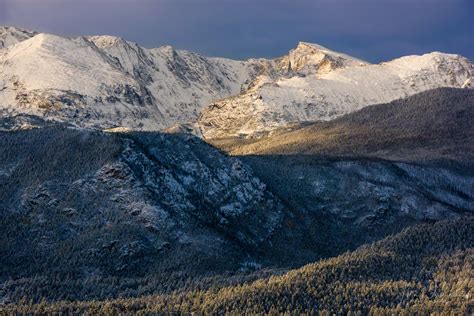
(431, 126)
(423, 270)
(88, 215)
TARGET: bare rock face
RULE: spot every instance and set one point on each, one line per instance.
(309, 58)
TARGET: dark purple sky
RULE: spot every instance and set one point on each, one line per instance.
(374, 30)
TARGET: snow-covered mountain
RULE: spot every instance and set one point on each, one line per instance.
(321, 85)
(12, 35)
(106, 82)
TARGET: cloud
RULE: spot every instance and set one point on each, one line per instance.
(370, 29)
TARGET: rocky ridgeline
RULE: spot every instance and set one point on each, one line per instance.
(106, 82)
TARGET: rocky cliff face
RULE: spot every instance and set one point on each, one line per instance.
(313, 59)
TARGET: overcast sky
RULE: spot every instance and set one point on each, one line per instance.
(374, 30)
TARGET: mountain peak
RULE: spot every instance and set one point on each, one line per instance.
(303, 45)
(166, 49)
(458, 67)
(308, 58)
(11, 35)
(45, 42)
(108, 41)
(48, 62)
(312, 48)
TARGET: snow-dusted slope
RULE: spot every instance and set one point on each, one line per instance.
(307, 59)
(104, 81)
(107, 82)
(180, 82)
(10, 35)
(322, 85)
(67, 80)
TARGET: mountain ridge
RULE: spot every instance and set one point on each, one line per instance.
(431, 125)
(275, 103)
(148, 88)
(299, 158)
(126, 214)
(10, 35)
(121, 84)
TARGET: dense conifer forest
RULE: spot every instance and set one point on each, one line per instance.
(425, 269)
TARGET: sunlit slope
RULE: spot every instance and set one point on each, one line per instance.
(429, 126)
(422, 270)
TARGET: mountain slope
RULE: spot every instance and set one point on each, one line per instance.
(429, 126)
(10, 36)
(180, 82)
(377, 167)
(88, 214)
(105, 82)
(95, 206)
(272, 103)
(423, 270)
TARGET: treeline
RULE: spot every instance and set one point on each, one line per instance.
(423, 270)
